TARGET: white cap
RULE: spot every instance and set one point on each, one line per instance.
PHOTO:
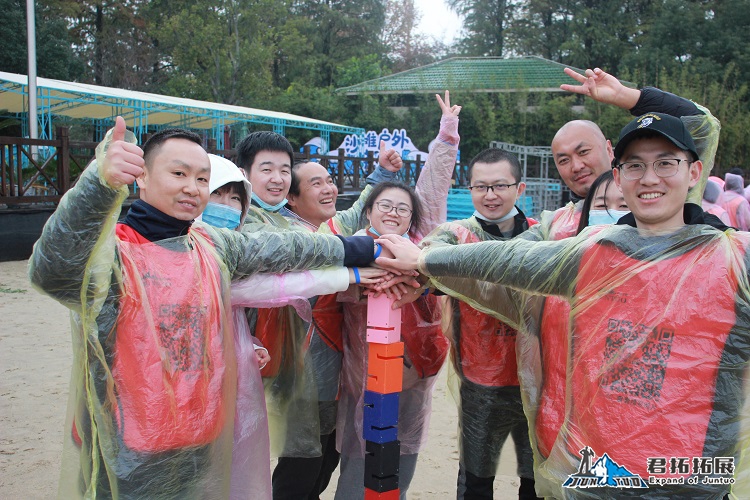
(223, 172)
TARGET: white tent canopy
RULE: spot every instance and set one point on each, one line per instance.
(143, 109)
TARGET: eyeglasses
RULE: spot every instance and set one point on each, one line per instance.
(386, 207)
(665, 167)
(495, 187)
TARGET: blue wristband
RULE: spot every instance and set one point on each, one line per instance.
(356, 275)
(378, 249)
(426, 291)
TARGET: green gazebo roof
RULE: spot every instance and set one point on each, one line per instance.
(472, 74)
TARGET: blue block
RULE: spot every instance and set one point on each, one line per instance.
(378, 435)
(381, 410)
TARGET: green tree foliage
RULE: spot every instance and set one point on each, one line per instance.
(291, 55)
(485, 22)
(55, 57)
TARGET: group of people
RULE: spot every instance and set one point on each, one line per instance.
(223, 319)
(729, 199)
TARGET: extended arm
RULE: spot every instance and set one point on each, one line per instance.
(435, 180)
(77, 246)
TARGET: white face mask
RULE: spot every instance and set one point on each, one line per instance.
(599, 217)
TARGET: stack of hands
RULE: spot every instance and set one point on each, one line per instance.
(395, 272)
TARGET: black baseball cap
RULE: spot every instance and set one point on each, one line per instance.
(668, 126)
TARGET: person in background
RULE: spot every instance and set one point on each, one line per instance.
(709, 203)
(604, 204)
(733, 201)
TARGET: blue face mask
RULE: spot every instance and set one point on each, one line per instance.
(599, 217)
(219, 215)
(266, 206)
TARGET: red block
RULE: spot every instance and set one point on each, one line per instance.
(386, 495)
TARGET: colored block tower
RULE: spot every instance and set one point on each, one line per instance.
(385, 365)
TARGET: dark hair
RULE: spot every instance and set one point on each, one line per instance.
(494, 155)
(256, 142)
(294, 185)
(607, 177)
(239, 188)
(416, 215)
(158, 139)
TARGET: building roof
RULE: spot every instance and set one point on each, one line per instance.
(472, 74)
(142, 109)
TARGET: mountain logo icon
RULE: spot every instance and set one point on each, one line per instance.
(601, 473)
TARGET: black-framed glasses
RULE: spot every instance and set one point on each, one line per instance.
(386, 207)
(664, 167)
(494, 187)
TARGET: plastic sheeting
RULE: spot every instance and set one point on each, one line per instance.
(658, 351)
(152, 394)
(484, 379)
(251, 452)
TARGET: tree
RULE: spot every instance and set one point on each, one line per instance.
(405, 48)
(55, 58)
(485, 22)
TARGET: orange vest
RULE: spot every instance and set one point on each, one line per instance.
(644, 365)
(486, 346)
(168, 365)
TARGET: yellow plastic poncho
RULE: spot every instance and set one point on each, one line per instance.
(298, 376)
(151, 408)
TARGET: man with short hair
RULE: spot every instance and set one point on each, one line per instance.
(484, 348)
(152, 394)
(653, 374)
(301, 380)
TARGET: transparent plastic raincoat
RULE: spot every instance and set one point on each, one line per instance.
(152, 395)
(301, 369)
(484, 379)
(544, 323)
(425, 346)
(658, 350)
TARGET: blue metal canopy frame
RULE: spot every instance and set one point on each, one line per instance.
(144, 111)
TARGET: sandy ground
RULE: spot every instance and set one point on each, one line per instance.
(35, 359)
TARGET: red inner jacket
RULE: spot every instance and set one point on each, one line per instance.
(168, 363)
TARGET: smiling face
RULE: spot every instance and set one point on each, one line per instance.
(316, 201)
(270, 175)
(494, 204)
(175, 180)
(657, 203)
(391, 222)
(581, 155)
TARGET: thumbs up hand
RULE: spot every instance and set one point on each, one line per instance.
(124, 161)
(389, 159)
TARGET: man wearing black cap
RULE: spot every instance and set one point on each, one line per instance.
(655, 378)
